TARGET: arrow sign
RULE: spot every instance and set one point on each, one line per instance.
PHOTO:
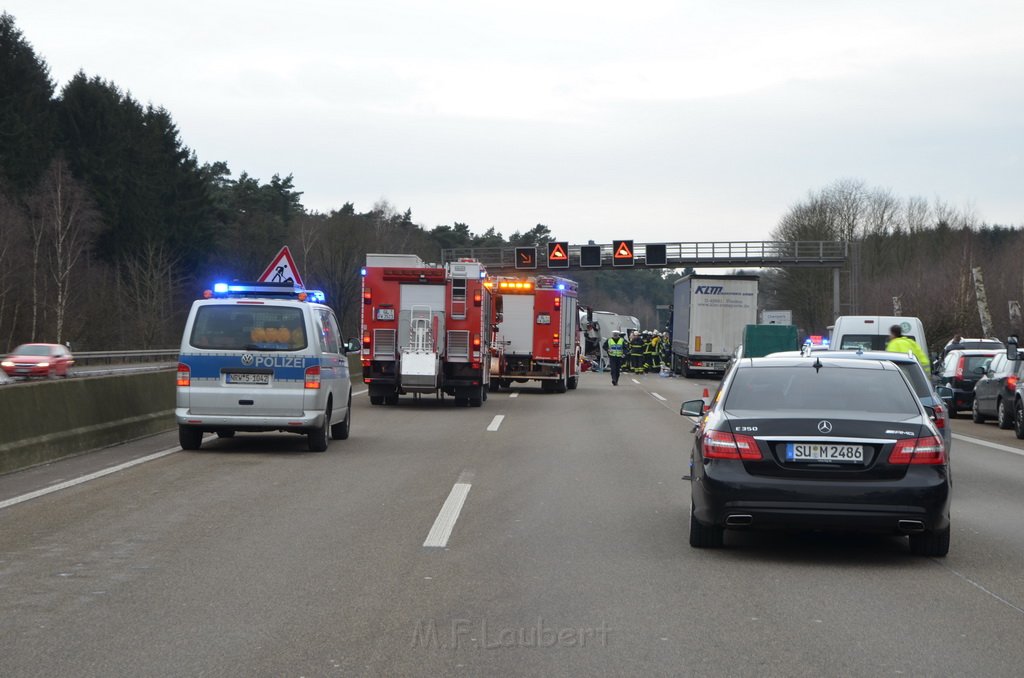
(526, 257)
(282, 269)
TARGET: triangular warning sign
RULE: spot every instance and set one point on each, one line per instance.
(558, 253)
(282, 269)
(624, 252)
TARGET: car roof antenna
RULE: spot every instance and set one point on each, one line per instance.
(817, 364)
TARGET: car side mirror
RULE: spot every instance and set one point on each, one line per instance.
(692, 408)
(1011, 347)
(979, 370)
(930, 411)
(945, 393)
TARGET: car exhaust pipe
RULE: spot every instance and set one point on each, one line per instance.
(739, 520)
(911, 526)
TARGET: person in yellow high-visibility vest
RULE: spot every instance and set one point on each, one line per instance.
(900, 344)
(616, 347)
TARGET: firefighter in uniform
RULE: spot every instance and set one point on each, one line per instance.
(636, 353)
(648, 353)
(656, 352)
(616, 348)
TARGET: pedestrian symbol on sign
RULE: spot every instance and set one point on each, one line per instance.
(282, 269)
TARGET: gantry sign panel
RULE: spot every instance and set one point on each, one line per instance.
(627, 253)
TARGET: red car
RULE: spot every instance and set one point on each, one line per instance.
(38, 360)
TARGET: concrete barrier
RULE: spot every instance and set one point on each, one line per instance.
(47, 420)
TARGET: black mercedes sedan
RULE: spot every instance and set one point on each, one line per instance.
(827, 443)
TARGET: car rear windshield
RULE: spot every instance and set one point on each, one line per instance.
(973, 362)
(867, 342)
(801, 387)
(249, 328)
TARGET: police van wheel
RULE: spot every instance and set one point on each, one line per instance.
(190, 438)
(316, 440)
(341, 431)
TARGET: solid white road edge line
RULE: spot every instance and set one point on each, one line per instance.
(496, 422)
(985, 443)
(86, 478)
(445, 521)
(634, 380)
(365, 390)
(513, 395)
(659, 397)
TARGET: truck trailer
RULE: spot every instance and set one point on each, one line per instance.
(709, 315)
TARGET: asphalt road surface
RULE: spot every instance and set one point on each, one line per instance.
(556, 544)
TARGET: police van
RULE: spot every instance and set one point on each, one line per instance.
(263, 357)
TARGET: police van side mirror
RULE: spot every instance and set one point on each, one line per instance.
(352, 346)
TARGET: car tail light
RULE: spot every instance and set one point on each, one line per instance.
(184, 375)
(959, 368)
(926, 450)
(725, 445)
(1011, 382)
(313, 377)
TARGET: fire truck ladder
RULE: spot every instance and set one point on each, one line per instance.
(420, 364)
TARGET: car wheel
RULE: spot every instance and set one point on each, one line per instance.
(316, 439)
(1004, 415)
(226, 434)
(190, 438)
(704, 536)
(376, 400)
(933, 543)
(341, 431)
(976, 416)
(1018, 419)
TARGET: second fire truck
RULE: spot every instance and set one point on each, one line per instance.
(537, 332)
(425, 329)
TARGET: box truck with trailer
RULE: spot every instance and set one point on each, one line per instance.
(709, 315)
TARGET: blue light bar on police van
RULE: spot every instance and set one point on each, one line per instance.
(265, 289)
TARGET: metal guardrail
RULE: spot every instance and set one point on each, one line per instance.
(112, 357)
(759, 253)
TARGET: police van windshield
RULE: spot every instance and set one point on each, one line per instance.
(249, 328)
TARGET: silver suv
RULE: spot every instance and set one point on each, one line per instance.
(263, 357)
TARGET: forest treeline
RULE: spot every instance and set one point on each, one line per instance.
(110, 226)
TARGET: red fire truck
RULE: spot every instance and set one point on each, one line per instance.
(538, 333)
(425, 329)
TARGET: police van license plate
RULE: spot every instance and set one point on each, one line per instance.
(837, 454)
(247, 378)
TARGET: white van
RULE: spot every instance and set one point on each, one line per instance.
(871, 332)
(263, 357)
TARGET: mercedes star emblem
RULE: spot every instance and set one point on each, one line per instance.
(825, 426)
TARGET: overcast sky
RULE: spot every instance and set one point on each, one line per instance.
(651, 120)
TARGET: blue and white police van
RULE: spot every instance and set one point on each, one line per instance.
(263, 357)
